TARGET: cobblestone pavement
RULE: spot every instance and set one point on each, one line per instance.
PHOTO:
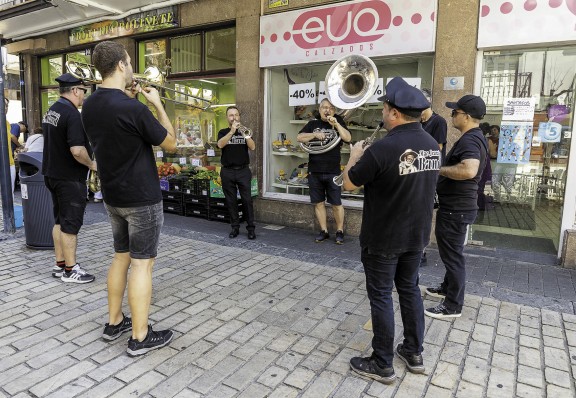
(251, 324)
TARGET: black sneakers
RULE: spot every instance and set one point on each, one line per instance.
(339, 237)
(414, 362)
(441, 312)
(112, 332)
(251, 234)
(369, 368)
(153, 341)
(77, 275)
(436, 291)
(234, 233)
(322, 236)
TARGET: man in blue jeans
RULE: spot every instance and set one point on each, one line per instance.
(396, 226)
(457, 196)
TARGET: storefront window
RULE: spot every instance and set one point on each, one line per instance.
(524, 194)
(286, 165)
(220, 49)
(186, 53)
(50, 68)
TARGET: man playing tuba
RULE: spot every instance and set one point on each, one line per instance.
(323, 167)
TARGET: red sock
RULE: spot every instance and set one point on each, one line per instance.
(68, 268)
(61, 263)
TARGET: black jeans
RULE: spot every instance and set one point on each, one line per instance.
(450, 233)
(233, 180)
(382, 272)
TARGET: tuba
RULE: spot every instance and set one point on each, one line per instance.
(349, 83)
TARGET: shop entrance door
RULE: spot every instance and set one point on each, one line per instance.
(524, 192)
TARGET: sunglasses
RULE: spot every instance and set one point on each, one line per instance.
(455, 112)
(85, 90)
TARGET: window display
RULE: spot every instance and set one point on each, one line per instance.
(286, 165)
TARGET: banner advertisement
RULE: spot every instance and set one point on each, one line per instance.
(162, 18)
(515, 142)
(367, 27)
(519, 22)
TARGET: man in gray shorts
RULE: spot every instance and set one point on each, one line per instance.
(122, 131)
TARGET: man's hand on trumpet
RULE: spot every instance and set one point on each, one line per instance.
(133, 90)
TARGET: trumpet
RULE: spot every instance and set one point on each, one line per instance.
(245, 131)
(152, 77)
(93, 181)
(339, 179)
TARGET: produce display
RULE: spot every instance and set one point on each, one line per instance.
(182, 174)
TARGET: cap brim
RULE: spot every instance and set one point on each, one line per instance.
(383, 98)
(452, 105)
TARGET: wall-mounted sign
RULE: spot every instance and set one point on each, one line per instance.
(277, 3)
(516, 22)
(368, 27)
(454, 83)
(162, 18)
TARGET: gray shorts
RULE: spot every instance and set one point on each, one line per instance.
(136, 229)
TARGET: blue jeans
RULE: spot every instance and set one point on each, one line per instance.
(382, 272)
(450, 237)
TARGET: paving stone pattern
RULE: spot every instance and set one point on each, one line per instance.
(249, 324)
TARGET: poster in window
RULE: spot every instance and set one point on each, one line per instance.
(515, 142)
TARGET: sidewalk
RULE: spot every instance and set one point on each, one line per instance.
(253, 320)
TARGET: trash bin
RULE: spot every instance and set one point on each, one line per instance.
(36, 202)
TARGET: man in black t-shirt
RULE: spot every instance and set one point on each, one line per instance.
(323, 167)
(235, 173)
(65, 164)
(122, 131)
(436, 126)
(399, 174)
(457, 195)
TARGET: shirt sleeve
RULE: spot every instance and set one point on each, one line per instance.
(308, 127)
(471, 149)
(15, 130)
(75, 130)
(365, 170)
(149, 127)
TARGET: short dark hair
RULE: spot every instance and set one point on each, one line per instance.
(496, 127)
(232, 107)
(106, 56)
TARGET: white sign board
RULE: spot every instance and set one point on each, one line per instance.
(518, 109)
(302, 94)
(327, 33)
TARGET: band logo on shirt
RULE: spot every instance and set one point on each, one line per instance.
(415, 162)
(237, 139)
(51, 117)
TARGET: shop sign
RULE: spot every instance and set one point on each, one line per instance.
(367, 27)
(277, 3)
(518, 22)
(162, 18)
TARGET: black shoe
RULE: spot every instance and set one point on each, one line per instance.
(369, 368)
(414, 362)
(153, 341)
(441, 312)
(77, 275)
(234, 233)
(322, 236)
(436, 291)
(112, 332)
(251, 234)
(339, 237)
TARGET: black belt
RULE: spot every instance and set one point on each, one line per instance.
(236, 167)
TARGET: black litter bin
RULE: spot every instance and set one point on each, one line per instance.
(36, 202)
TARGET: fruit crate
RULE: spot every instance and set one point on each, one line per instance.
(220, 203)
(201, 187)
(223, 215)
(173, 207)
(172, 196)
(198, 200)
(192, 210)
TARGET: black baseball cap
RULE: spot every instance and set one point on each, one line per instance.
(471, 104)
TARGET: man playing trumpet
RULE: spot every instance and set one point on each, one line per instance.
(235, 172)
(323, 167)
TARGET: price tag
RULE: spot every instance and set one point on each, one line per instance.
(378, 91)
(321, 91)
(182, 161)
(195, 162)
(302, 94)
(210, 152)
(159, 154)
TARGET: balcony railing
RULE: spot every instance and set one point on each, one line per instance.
(496, 87)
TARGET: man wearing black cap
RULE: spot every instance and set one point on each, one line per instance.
(66, 161)
(396, 225)
(457, 195)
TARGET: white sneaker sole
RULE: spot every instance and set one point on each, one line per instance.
(73, 280)
(381, 379)
(142, 351)
(435, 294)
(442, 316)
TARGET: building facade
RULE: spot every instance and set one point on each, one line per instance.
(270, 58)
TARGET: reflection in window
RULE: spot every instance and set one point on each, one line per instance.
(186, 53)
(154, 53)
(221, 49)
(51, 68)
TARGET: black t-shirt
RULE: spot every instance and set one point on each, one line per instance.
(235, 153)
(461, 195)
(436, 126)
(328, 162)
(399, 174)
(62, 128)
(122, 131)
